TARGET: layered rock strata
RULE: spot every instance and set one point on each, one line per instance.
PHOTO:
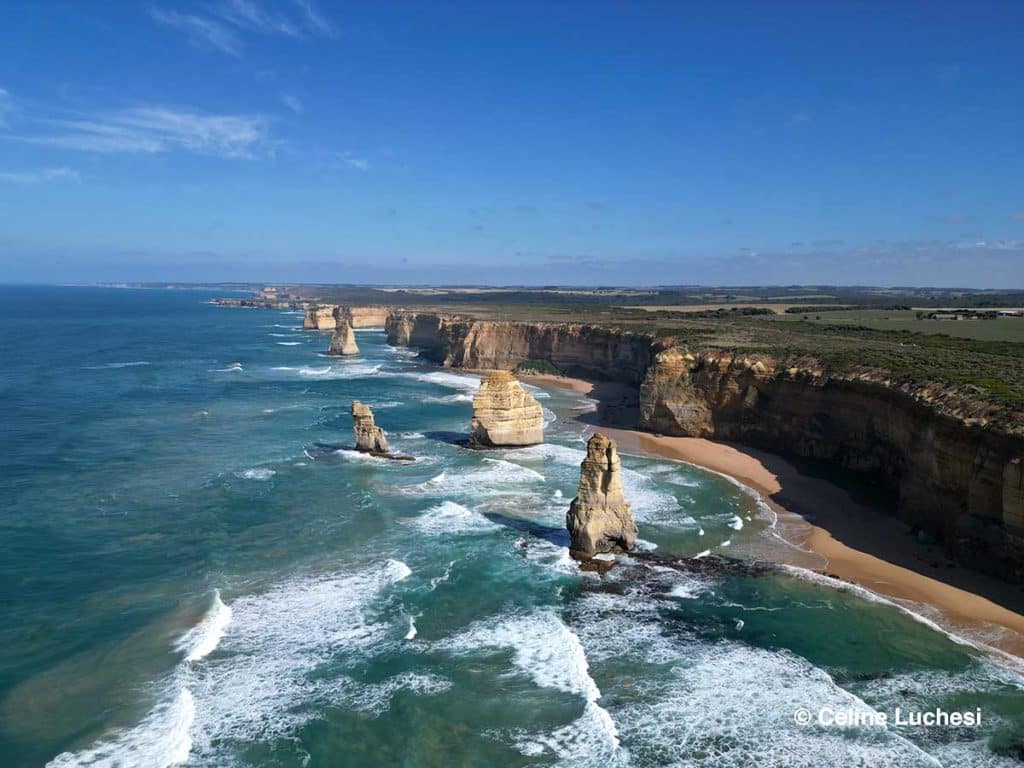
(364, 317)
(369, 437)
(343, 340)
(319, 318)
(505, 414)
(952, 466)
(599, 518)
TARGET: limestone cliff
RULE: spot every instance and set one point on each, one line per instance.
(343, 340)
(952, 472)
(319, 318)
(505, 414)
(952, 465)
(576, 350)
(599, 518)
(369, 437)
(365, 316)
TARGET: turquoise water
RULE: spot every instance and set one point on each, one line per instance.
(193, 573)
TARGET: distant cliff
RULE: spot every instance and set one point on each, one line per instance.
(586, 351)
(953, 465)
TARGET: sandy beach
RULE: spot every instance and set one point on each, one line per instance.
(851, 541)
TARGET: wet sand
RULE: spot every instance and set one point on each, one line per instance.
(831, 532)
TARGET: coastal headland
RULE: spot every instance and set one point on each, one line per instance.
(905, 484)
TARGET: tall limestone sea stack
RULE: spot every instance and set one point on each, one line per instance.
(343, 340)
(599, 519)
(369, 437)
(505, 414)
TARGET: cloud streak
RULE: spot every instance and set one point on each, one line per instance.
(38, 176)
(221, 26)
(200, 30)
(157, 129)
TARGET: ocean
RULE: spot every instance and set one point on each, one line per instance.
(195, 571)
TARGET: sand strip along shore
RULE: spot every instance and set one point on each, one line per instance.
(854, 542)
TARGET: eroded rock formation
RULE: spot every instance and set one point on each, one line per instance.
(343, 340)
(599, 518)
(371, 316)
(951, 465)
(319, 318)
(505, 414)
(369, 437)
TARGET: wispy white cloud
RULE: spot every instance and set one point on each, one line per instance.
(315, 21)
(201, 30)
(351, 160)
(220, 25)
(38, 176)
(155, 129)
(292, 103)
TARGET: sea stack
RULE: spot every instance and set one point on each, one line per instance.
(599, 519)
(343, 341)
(505, 414)
(369, 437)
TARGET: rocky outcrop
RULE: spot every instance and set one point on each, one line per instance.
(320, 318)
(599, 519)
(951, 465)
(505, 414)
(951, 473)
(369, 437)
(575, 350)
(343, 340)
(364, 316)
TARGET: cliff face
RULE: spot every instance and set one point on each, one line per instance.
(577, 350)
(951, 475)
(952, 471)
(505, 414)
(319, 318)
(343, 340)
(364, 317)
(599, 518)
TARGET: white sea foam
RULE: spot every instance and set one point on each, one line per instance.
(699, 555)
(203, 638)
(113, 366)
(289, 343)
(466, 382)
(257, 473)
(494, 477)
(350, 371)
(160, 740)
(411, 634)
(553, 656)
(232, 368)
(459, 397)
(269, 667)
(736, 523)
(451, 518)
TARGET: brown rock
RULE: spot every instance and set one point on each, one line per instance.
(343, 341)
(599, 519)
(505, 414)
(319, 318)
(369, 437)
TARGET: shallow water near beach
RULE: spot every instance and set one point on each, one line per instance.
(195, 571)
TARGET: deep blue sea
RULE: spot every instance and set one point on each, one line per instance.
(195, 571)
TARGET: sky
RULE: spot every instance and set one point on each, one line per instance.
(527, 143)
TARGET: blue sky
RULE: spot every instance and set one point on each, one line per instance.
(513, 143)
